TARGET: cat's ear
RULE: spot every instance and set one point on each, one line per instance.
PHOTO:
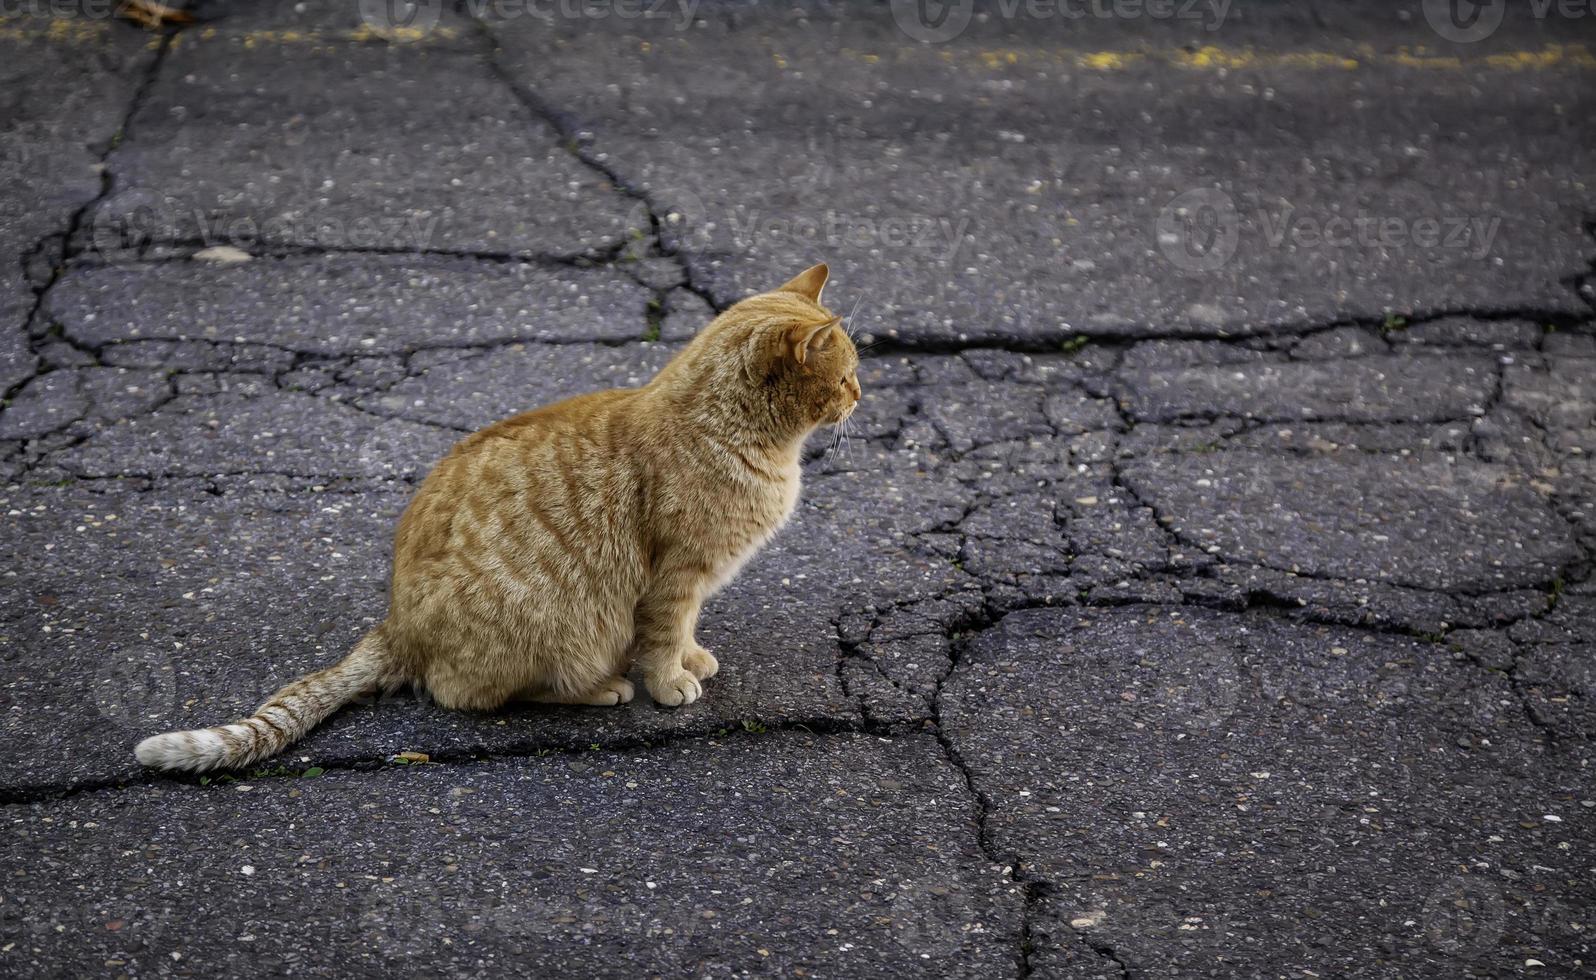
(806, 338)
(807, 283)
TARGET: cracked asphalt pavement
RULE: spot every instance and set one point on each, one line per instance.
(1205, 590)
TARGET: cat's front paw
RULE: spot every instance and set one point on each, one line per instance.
(700, 663)
(673, 688)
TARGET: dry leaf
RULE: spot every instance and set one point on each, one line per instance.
(153, 15)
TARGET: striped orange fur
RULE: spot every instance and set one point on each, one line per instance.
(549, 552)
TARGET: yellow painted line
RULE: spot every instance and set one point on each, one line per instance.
(1552, 56)
(1211, 56)
(58, 30)
(1419, 57)
(81, 30)
(1108, 60)
(1219, 59)
(77, 31)
(363, 34)
(1215, 58)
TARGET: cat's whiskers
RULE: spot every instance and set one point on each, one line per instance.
(839, 435)
(840, 448)
(851, 313)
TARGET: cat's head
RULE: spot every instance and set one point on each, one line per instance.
(791, 352)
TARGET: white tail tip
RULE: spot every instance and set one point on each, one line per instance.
(195, 751)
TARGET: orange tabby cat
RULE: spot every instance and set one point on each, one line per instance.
(550, 551)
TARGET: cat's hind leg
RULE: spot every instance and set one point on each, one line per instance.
(611, 690)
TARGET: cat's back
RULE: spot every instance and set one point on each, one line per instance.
(589, 419)
(563, 461)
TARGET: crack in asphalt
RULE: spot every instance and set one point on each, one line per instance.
(961, 631)
(181, 251)
(312, 358)
(572, 139)
(964, 631)
(57, 268)
(1476, 440)
(1515, 683)
(1167, 523)
(1584, 283)
(1011, 863)
(41, 250)
(1070, 335)
(1035, 888)
(708, 729)
(158, 480)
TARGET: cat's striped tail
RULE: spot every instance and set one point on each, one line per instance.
(277, 724)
